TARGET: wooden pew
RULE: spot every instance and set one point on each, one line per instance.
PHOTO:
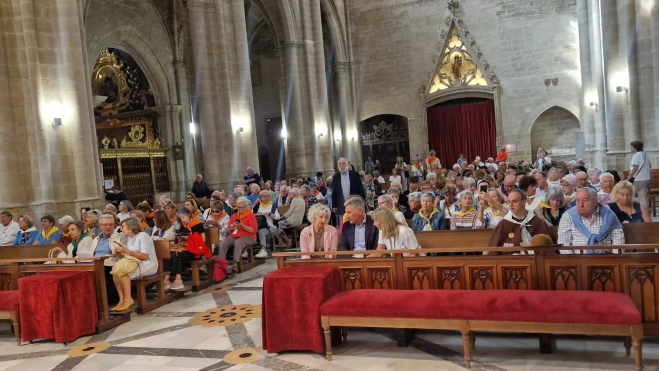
(143, 304)
(13, 269)
(634, 274)
(28, 252)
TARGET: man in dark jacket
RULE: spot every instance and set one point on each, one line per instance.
(200, 188)
(359, 232)
(115, 196)
(345, 184)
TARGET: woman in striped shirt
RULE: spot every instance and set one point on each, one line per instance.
(466, 217)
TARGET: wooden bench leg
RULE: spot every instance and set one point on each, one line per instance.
(628, 346)
(466, 345)
(403, 337)
(17, 327)
(472, 339)
(545, 344)
(637, 343)
(328, 337)
(140, 288)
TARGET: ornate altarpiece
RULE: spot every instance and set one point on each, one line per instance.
(384, 137)
(132, 153)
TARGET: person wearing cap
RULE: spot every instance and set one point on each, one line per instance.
(519, 225)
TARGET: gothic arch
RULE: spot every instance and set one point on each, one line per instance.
(554, 129)
(336, 29)
(128, 38)
(566, 103)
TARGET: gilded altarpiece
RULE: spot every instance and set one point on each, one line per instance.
(132, 152)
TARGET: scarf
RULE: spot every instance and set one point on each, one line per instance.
(245, 214)
(76, 242)
(193, 222)
(196, 214)
(151, 215)
(460, 213)
(143, 224)
(524, 225)
(609, 221)
(503, 190)
(493, 212)
(418, 166)
(427, 220)
(53, 230)
(219, 216)
(266, 205)
(316, 193)
(545, 205)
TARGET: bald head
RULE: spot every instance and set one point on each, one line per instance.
(509, 182)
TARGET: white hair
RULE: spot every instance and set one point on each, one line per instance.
(603, 175)
(65, 220)
(467, 182)
(294, 191)
(244, 200)
(317, 211)
(464, 193)
(429, 175)
(595, 170)
(570, 178)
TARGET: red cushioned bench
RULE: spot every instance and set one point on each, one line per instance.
(532, 311)
(9, 310)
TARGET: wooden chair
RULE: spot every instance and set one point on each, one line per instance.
(143, 305)
(654, 190)
(9, 310)
(251, 261)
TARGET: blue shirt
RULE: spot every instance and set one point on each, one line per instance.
(55, 237)
(253, 198)
(103, 247)
(360, 236)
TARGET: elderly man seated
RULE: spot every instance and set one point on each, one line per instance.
(568, 185)
(508, 185)
(387, 202)
(414, 202)
(254, 192)
(589, 224)
(359, 233)
(284, 197)
(8, 229)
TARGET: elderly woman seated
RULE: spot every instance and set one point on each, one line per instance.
(254, 193)
(266, 212)
(63, 223)
(387, 202)
(552, 209)
(395, 197)
(568, 185)
(109, 208)
(217, 217)
(91, 223)
(627, 210)
(428, 218)
(189, 226)
(79, 240)
(606, 183)
(27, 234)
(139, 215)
(466, 217)
(241, 231)
(295, 214)
(394, 235)
(140, 249)
(594, 177)
(319, 236)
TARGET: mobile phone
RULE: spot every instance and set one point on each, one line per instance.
(238, 221)
(483, 187)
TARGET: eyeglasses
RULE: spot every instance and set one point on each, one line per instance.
(107, 225)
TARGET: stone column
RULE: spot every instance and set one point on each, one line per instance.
(46, 168)
(223, 91)
(305, 108)
(169, 124)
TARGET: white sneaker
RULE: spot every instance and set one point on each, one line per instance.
(180, 287)
(202, 269)
(244, 254)
(262, 255)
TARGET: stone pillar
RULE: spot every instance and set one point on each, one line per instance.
(347, 120)
(170, 125)
(46, 168)
(223, 91)
(305, 108)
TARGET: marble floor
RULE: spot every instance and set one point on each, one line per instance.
(165, 340)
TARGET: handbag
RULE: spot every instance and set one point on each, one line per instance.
(53, 254)
(125, 266)
(197, 247)
(220, 270)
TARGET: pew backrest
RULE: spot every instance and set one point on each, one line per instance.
(163, 251)
(28, 252)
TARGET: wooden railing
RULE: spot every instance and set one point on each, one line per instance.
(635, 274)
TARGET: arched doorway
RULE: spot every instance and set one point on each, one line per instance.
(385, 137)
(556, 130)
(466, 126)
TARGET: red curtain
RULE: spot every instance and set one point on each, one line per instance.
(468, 128)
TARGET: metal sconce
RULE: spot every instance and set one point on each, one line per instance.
(593, 104)
(56, 110)
(620, 89)
(547, 82)
(240, 129)
(554, 81)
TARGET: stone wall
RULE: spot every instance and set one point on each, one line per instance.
(555, 129)
(524, 43)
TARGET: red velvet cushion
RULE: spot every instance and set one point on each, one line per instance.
(8, 301)
(585, 307)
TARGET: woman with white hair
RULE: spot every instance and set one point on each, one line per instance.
(110, 208)
(428, 218)
(266, 212)
(295, 214)
(466, 217)
(606, 183)
(319, 236)
(417, 168)
(241, 232)
(555, 205)
(568, 185)
(594, 177)
(63, 223)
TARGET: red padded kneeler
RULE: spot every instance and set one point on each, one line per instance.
(57, 305)
(291, 307)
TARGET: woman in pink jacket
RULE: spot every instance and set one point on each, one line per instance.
(319, 236)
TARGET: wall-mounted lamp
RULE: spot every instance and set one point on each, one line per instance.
(547, 82)
(554, 81)
(193, 128)
(593, 104)
(56, 111)
(620, 89)
(320, 135)
(240, 129)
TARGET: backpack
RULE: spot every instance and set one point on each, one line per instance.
(220, 270)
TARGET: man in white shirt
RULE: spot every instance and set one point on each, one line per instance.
(8, 229)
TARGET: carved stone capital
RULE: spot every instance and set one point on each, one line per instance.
(291, 44)
(198, 4)
(453, 5)
(343, 66)
(179, 65)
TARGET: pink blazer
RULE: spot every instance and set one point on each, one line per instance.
(330, 240)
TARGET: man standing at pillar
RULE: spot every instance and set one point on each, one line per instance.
(344, 184)
(200, 188)
(251, 177)
(369, 166)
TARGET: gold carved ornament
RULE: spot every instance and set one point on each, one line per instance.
(456, 66)
(109, 80)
